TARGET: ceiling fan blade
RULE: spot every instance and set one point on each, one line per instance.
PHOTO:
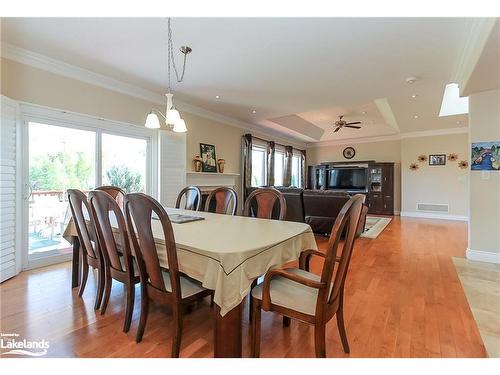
(354, 127)
(353, 123)
(337, 129)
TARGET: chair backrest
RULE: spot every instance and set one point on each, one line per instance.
(86, 233)
(117, 193)
(265, 198)
(193, 198)
(223, 198)
(139, 209)
(347, 220)
(102, 205)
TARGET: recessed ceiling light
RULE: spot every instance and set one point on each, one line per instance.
(415, 117)
(217, 96)
(411, 80)
(458, 122)
(364, 112)
(254, 111)
(414, 96)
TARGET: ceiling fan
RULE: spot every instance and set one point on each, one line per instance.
(339, 124)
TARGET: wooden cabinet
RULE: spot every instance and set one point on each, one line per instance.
(316, 177)
(380, 196)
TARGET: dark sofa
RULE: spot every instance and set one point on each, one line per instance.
(318, 208)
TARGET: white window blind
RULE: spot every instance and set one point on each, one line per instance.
(9, 236)
(172, 166)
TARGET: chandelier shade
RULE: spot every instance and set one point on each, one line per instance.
(152, 121)
(180, 126)
(173, 116)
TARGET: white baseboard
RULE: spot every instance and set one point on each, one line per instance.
(433, 215)
(483, 256)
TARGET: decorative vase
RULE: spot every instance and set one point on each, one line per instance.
(220, 165)
(197, 163)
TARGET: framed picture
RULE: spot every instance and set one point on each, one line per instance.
(437, 159)
(485, 156)
(208, 159)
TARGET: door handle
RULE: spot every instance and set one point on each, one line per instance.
(27, 189)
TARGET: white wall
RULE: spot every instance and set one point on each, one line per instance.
(446, 184)
(484, 226)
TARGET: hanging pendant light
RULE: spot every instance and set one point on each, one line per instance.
(172, 116)
(152, 121)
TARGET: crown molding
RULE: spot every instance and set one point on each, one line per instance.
(58, 67)
(387, 138)
(474, 42)
(349, 141)
(435, 132)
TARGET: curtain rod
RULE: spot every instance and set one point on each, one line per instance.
(276, 143)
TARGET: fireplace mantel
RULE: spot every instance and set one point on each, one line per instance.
(208, 180)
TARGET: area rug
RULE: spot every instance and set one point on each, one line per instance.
(374, 226)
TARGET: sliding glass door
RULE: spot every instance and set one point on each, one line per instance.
(60, 158)
(63, 156)
(124, 162)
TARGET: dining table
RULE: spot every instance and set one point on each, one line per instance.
(226, 254)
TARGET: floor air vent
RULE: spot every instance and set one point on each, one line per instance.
(433, 207)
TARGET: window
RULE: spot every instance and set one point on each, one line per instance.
(296, 171)
(124, 162)
(279, 167)
(259, 166)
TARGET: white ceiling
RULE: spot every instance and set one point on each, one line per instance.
(317, 68)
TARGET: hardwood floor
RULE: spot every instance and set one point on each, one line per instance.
(403, 299)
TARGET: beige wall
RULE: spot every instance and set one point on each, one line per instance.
(25, 83)
(484, 226)
(435, 184)
(389, 151)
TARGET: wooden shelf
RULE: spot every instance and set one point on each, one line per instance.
(213, 174)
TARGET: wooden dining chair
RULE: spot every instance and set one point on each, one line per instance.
(193, 198)
(299, 294)
(90, 251)
(168, 287)
(117, 193)
(260, 203)
(265, 200)
(118, 260)
(224, 197)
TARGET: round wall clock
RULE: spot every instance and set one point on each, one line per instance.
(349, 152)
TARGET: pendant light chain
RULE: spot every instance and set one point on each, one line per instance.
(171, 60)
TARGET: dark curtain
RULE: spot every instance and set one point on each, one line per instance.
(287, 174)
(303, 175)
(270, 163)
(246, 157)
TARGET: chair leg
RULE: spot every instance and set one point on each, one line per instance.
(341, 327)
(130, 306)
(250, 305)
(100, 288)
(320, 340)
(83, 281)
(144, 315)
(286, 321)
(176, 339)
(256, 312)
(107, 292)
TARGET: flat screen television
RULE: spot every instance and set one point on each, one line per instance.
(352, 179)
